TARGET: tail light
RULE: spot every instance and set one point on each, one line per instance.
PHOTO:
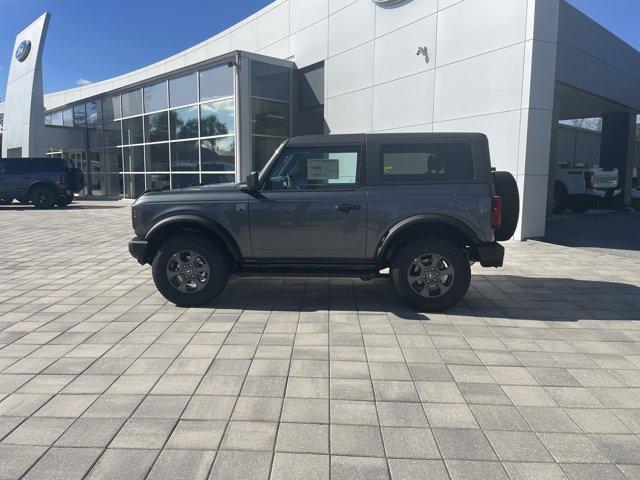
(588, 179)
(63, 179)
(496, 212)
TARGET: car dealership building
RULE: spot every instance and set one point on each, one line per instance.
(509, 68)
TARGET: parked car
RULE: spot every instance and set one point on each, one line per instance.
(44, 182)
(425, 206)
(580, 188)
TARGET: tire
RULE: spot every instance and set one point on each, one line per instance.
(424, 253)
(66, 201)
(75, 179)
(173, 251)
(560, 198)
(6, 200)
(507, 188)
(580, 204)
(43, 197)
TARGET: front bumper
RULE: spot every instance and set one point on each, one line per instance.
(490, 254)
(139, 248)
(603, 192)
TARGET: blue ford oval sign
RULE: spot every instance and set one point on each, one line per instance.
(22, 52)
(387, 2)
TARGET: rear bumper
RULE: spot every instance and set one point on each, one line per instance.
(139, 248)
(490, 254)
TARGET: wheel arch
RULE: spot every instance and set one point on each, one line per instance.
(41, 183)
(427, 225)
(212, 230)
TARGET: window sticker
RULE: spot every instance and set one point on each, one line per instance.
(323, 169)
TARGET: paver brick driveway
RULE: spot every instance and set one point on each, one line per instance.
(535, 376)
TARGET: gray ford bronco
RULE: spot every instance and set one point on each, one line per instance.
(424, 206)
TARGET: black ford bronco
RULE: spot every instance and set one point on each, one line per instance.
(424, 206)
(43, 182)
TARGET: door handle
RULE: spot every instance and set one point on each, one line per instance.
(346, 207)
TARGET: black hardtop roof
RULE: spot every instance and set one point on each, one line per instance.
(362, 138)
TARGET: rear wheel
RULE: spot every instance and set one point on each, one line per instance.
(65, 201)
(43, 197)
(431, 275)
(190, 271)
(560, 198)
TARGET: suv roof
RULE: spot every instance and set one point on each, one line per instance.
(360, 138)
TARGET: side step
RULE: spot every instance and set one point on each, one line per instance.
(362, 271)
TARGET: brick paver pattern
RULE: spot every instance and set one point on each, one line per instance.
(536, 375)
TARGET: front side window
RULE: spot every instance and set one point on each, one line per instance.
(427, 163)
(329, 168)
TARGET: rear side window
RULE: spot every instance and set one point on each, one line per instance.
(426, 163)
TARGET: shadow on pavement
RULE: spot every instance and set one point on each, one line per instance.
(490, 296)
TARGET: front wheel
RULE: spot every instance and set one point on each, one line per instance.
(431, 275)
(190, 271)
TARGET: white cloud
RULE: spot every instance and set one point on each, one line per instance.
(83, 81)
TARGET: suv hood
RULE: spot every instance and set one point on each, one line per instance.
(225, 190)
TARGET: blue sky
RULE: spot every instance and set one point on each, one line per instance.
(90, 40)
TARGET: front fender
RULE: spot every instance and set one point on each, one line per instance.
(200, 220)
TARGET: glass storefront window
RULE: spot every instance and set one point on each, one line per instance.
(270, 118)
(47, 119)
(56, 118)
(155, 127)
(94, 112)
(217, 118)
(184, 122)
(183, 90)
(79, 116)
(112, 135)
(263, 148)
(95, 136)
(113, 159)
(216, 82)
(155, 97)
(184, 180)
(218, 154)
(133, 159)
(157, 157)
(67, 117)
(134, 185)
(212, 179)
(132, 131)
(111, 108)
(270, 81)
(132, 103)
(157, 182)
(184, 157)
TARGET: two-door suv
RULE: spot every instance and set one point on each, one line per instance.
(424, 206)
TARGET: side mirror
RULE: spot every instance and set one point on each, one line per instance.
(252, 181)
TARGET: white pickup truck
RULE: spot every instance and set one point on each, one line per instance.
(579, 188)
